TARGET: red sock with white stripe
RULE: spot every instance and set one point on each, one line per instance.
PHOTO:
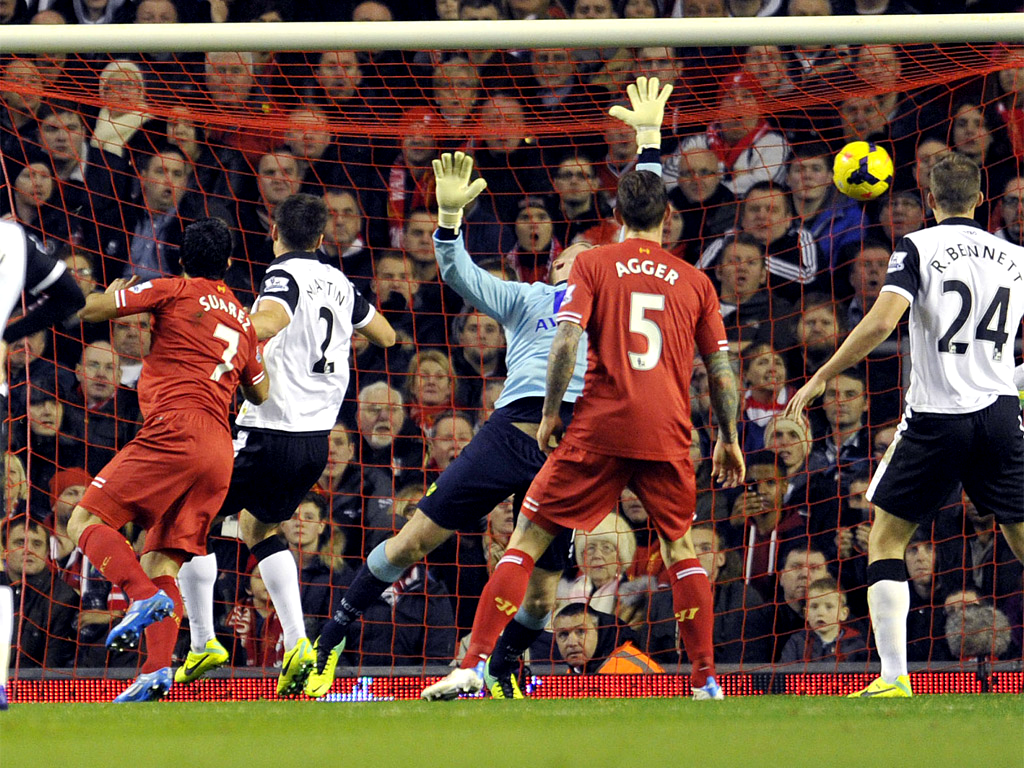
(109, 551)
(162, 636)
(694, 610)
(499, 602)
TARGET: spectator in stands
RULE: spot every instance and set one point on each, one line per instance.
(673, 239)
(410, 624)
(132, 337)
(401, 298)
(700, 395)
(95, 11)
(536, 245)
(928, 153)
(536, 9)
(590, 642)
(488, 397)
(337, 86)
(91, 183)
(513, 168)
(579, 205)
(925, 623)
(409, 181)
(845, 444)
(230, 82)
(389, 445)
(277, 178)
(45, 607)
(766, 214)
(455, 90)
(767, 391)
(99, 412)
(820, 327)
(18, 112)
(122, 91)
(790, 441)
(430, 387)
(989, 566)
(80, 265)
(303, 532)
(34, 204)
(157, 224)
(478, 354)
(1011, 211)
(259, 639)
(881, 441)
(705, 202)
(833, 219)
(847, 544)
(343, 237)
(867, 276)
(555, 91)
(828, 636)
(48, 436)
(743, 624)
(1009, 102)
(434, 301)
(748, 309)
(15, 492)
(767, 522)
(604, 556)
(749, 148)
(66, 489)
(802, 565)
(451, 433)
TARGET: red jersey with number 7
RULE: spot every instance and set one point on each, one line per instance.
(645, 311)
(203, 345)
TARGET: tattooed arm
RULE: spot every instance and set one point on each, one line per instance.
(727, 465)
(561, 363)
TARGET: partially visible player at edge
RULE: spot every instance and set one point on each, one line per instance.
(172, 477)
(309, 310)
(499, 462)
(25, 266)
(962, 422)
(644, 311)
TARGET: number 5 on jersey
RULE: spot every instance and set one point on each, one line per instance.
(639, 323)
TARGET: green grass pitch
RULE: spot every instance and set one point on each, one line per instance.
(983, 731)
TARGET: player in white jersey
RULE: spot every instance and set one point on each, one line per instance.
(308, 310)
(965, 290)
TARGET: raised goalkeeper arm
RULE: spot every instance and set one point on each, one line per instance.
(453, 188)
(647, 98)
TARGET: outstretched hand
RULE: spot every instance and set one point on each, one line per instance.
(804, 396)
(647, 97)
(727, 464)
(453, 188)
(121, 284)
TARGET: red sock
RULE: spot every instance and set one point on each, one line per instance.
(498, 604)
(694, 609)
(162, 636)
(109, 551)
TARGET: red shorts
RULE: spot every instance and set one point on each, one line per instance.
(171, 480)
(577, 488)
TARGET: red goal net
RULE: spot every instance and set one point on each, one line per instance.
(107, 159)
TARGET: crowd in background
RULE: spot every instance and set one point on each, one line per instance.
(108, 157)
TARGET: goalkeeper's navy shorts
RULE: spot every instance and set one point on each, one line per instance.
(500, 461)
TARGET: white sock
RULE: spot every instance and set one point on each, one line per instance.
(281, 576)
(889, 603)
(196, 580)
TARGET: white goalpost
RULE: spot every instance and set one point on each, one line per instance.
(456, 35)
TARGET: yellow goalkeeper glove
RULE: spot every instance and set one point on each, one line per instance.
(453, 188)
(647, 113)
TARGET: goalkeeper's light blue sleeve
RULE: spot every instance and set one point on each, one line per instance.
(525, 310)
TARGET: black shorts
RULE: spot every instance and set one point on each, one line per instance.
(273, 471)
(932, 453)
(500, 461)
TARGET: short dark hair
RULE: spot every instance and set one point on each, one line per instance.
(206, 248)
(956, 182)
(20, 520)
(744, 238)
(642, 200)
(141, 160)
(317, 501)
(577, 609)
(808, 150)
(499, 6)
(300, 220)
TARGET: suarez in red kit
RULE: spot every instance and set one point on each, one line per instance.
(645, 313)
(172, 477)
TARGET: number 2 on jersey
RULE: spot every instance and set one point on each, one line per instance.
(323, 365)
(639, 323)
(231, 337)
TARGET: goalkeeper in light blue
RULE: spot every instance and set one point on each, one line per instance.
(500, 461)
